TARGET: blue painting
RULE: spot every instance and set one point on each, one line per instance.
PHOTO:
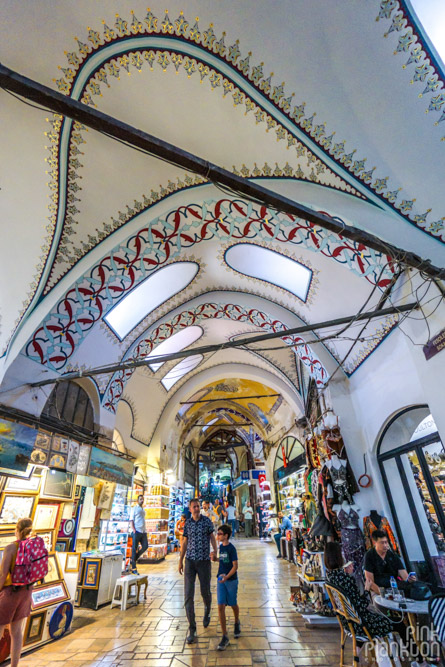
(16, 445)
(110, 467)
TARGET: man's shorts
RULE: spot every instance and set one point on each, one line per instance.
(226, 593)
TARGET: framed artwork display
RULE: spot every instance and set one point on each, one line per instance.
(13, 508)
(73, 456)
(109, 467)
(39, 457)
(38, 471)
(60, 444)
(34, 628)
(45, 596)
(77, 492)
(16, 445)
(58, 485)
(54, 572)
(48, 537)
(92, 573)
(62, 544)
(5, 539)
(72, 563)
(18, 473)
(77, 596)
(45, 517)
(17, 484)
(57, 461)
(84, 459)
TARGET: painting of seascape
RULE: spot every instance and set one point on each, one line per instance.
(110, 467)
(16, 445)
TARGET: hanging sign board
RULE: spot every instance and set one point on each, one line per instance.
(434, 346)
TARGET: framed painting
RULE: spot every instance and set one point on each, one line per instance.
(58, 485)
(17, 484)
(72, 563)
(34, 628)
(78, 596)
(17, 473)
(92, 573)
(62, 544)
(83, 460)
(14, 507)
(39, 457)
(16, 445)
(57, 461)
(5, 539)
(60, 444)
(54, 574)
(110, 467)
(73, 456)
(45, 596)
(48, 537)
(45, 517)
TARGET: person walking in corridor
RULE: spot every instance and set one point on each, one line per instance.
(227, 586)
(197, 536)
(248, 517)
(231, 518)
(139, 531)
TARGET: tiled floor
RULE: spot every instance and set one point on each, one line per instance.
(152, 634)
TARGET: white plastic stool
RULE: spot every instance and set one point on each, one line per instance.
(124, 585)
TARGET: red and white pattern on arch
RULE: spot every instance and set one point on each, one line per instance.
(202, 312)
(163, 240)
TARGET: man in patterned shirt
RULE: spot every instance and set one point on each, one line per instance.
(198, 533)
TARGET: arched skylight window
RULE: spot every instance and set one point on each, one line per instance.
(148, 295)
(181, 369)
(178, 341)
(431, 15)
(257, 262)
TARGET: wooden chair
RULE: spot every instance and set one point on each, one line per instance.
(344, 609)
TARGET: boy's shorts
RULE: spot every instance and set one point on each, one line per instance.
(226, 593)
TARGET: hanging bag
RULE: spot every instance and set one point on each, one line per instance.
(31, 563)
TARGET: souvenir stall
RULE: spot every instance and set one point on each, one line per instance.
(63, 486)
(327, 510)
(157, 513)
(179, 500)
(412, 462)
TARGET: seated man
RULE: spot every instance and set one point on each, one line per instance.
(285, 524)
(381, 564)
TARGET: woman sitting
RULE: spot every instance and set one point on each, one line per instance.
(340, 577)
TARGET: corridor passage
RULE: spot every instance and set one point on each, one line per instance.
(153, 634)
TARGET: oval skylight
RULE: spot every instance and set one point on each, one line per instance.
(272, 267)
(181, 369)
(148, 295)
(178, 341)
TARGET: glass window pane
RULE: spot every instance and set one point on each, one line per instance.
(404, 516)
(416, 422)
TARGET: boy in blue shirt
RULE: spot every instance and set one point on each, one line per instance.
(227, 585)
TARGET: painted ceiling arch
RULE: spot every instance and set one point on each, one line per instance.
(95, 293)
(176, 42)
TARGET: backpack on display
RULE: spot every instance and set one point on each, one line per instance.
(31, 563)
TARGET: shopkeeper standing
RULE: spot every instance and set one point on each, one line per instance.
(139, 530)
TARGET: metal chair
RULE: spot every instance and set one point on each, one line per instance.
(343, 608)
(436, 610)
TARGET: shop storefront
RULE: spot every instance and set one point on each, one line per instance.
(75, 494)
(412, 462)
(289, 467)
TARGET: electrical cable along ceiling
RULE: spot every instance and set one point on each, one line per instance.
(145, 259)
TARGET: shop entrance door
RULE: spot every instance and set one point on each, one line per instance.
(414, 478)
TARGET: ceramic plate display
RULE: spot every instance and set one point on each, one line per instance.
(61, 620)
(58, 485)
(34, 628)
(92, 572)
(45, 596)
(66, 528)
(46, 516)
(13, 508)
(72, 563)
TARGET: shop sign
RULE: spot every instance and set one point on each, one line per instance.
(435, 345)
(245, 475)
(238, 482)
(255, 474)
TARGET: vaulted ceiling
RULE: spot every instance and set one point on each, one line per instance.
(323, 102)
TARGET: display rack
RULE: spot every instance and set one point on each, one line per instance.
(115, 531)
(157, 513)
(290, 490)
(178, 500)
(310, 597)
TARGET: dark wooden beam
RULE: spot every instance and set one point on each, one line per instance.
(64, 105)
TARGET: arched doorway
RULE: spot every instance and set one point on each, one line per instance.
(411, 457)
(288, 471)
